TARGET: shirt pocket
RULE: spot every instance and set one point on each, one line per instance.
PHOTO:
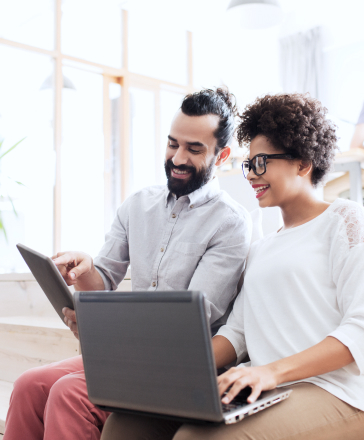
(182, 263)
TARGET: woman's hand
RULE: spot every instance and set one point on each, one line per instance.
(258, 378)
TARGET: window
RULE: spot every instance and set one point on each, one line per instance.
(94, 102)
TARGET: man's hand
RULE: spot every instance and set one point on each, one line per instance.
(73, 265)
(258, 378)
(70, 320)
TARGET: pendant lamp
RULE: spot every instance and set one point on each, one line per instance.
(254, 14)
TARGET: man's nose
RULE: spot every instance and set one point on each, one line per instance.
(180, 157)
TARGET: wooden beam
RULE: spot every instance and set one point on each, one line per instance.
(138, 80)
(157, 130)
(335, 187)
(5, 41)
(108, 70)
(125, 22)
(108, 191)
(125, 138)
(353, 155)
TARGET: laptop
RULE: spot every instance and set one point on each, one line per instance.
(150, 353)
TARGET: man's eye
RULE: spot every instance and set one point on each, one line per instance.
(173, 146)
(194, 151)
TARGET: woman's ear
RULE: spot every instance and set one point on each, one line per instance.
(223, 155)
(304, 168)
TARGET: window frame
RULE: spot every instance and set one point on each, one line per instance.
(126, 79)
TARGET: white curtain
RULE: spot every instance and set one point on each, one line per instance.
(301, 62)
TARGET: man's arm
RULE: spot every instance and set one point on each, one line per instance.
(78, 268)
(220, 268)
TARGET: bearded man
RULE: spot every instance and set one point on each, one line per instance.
(188, 235)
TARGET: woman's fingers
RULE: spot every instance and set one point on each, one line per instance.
(239, 385)
(256, 391)
(258, 378)
(225, 380)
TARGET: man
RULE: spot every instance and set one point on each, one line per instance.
(188, 235)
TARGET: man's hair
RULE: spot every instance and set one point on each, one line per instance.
(214, 102)
(294, 123)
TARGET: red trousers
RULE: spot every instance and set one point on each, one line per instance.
(51, 403)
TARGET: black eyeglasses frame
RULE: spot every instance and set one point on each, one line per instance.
(251, 165)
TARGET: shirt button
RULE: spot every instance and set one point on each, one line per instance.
(191, 206)
(173, 215)
(154, 284)
(162, 249)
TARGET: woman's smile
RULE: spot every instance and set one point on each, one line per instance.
(260, 190)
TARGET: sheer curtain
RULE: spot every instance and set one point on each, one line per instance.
(301, 62)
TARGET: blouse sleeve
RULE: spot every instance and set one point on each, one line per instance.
(347, 265)
(233, 330)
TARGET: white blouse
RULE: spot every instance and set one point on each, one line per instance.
(302, 285)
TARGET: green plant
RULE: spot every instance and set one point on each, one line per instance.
(7, 196)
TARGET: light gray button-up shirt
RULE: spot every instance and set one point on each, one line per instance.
(197, 242)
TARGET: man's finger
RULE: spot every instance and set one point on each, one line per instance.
(64, 258)
(83, 267)
(58, 254)
(69, 313)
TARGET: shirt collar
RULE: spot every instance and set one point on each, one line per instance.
(201, 195)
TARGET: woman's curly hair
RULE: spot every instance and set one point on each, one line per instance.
(294, 123)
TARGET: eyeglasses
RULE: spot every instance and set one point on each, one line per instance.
(259, 163)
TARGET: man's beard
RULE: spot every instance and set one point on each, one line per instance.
(197, 179)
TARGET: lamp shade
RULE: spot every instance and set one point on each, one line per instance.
(255, 14)
(48, 83)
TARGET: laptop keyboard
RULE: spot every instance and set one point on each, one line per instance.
(233, 405)
(239, 401)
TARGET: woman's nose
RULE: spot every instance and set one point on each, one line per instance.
(251, 175)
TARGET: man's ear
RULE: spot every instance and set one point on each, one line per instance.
(223, 155)
(304, 168)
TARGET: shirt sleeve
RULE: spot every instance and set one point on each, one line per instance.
(220, 268)
(347, 262)
(112, 262)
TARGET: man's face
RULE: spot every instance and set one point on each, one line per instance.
(190, 156)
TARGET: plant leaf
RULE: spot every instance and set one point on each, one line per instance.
(1, 143)
(11, 148)
(2, 228)
(12, 204)
(19, 183)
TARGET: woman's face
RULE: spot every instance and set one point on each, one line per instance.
(281, 182)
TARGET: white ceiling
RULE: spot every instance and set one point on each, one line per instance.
(343, 19)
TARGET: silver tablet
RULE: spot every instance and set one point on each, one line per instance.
(49, 279)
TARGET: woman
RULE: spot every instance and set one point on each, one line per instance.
(300, 314)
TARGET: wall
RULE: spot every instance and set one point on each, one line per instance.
(239, 189)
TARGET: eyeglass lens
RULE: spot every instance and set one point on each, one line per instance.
(258, 165)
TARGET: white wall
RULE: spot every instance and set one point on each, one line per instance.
(239, 189)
